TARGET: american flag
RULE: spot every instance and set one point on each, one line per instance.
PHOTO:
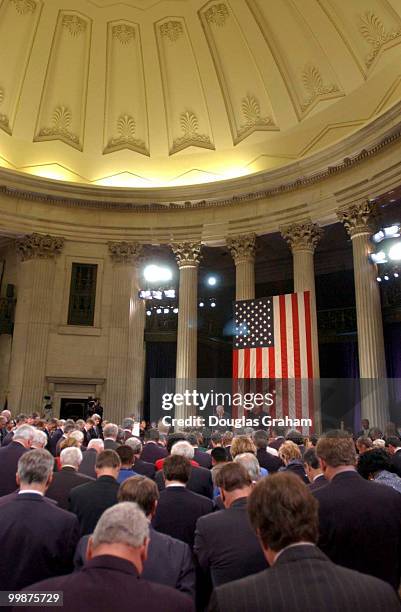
(273, 340)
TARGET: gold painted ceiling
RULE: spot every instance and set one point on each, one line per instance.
(147, 93)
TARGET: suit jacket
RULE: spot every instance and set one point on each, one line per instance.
(144, 468)
(319, 482)
(169, 562)
(110, 444)
(87, 590)
(277, 442)
(177, 512)
(87, 466)
(90, 500)
(297, 468)
(9, 456)
(37, 541)
(360, 526)
(204, 459)
(3, 434)
(63, 481)
(227, 546)
(151, 452)
(303, 578)
(200, 481)
(268, 461)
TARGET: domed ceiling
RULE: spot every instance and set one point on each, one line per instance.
(147, 93)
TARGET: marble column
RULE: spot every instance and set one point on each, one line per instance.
(372, 361)
(242, 249)
(125, 367)
(188, 256)
(38, 254)
(302, 239)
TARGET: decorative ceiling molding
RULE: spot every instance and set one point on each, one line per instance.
(308, 178)
(124, 33)
(60, 128)
(191, 138)
(74, 24)
(172, 30)
(373, 30)
(24, 6)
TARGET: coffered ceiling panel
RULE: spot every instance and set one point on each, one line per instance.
(163, 93)
(63, 104)
(126, 119)
(18, 21)
(186, 112)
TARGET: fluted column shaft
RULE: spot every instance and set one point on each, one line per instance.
(32, 320)
(242, 249)
(187, 255)
(125, 367)
(372, 360)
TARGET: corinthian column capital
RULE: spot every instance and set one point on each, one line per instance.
(187, 254)
(357, 217)
(39, 246)
(125, 252)
(242, 248)
(302, 236)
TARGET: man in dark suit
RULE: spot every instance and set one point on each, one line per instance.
(178, 508)
(9, 456)
(225, 544)
(360, 520)
(90, 500)
(284, 514)
(277, 437)
(111, 578)
(313, 470)
(204, 459)
(88, 462)
(141, 467)
(152, 451)
(54, 437)
(37, 538)
(3, 428)
(20, 419)
(110, 433)
(267, 460)
(200, 480)
(67, 478)
(169, 561)
(393, 446)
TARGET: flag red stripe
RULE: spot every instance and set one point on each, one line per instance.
(308, 329)
(247, 363)
(259, 362)
(295, 334)
(235, 364)
(283, 338)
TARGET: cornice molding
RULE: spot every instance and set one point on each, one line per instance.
(310, 172)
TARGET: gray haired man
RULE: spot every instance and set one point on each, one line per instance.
(110, 579)
(38, 539)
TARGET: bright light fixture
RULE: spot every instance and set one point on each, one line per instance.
(378, 258)
(157, 274)
(392, 232)
(394, 252)
(212, 281)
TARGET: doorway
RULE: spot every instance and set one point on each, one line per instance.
(73, 408)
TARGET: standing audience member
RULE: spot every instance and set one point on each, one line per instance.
(225, 544)
(110, 433)
(90, 500)
(200, 456)
(251, 464)
(152, 451)
(376, 465)
(200, 480)
(126, 455)
(169, 561)
(284, 514)
(20, 419)
(67, 478)
(266, 459)
(393, 445)
(110, 579)
(291, 456)
(360, 521)
(168, 519)
(39, 439)
(37, 538)
(10, 455)
(140, 467)
(313, 470)
(363, 444)
(88, 462)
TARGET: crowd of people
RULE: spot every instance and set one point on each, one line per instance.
(238, 521)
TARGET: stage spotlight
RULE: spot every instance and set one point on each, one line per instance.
(148, 312)
(395, 252)
(166, 310)
(211, 281)
(378, 278)
(386, 277)
(201, 304)
(159, 310)
(392, 232)
(157, 274)
(212, 304)
(396, 275)
(378, 258)
(175, 310)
